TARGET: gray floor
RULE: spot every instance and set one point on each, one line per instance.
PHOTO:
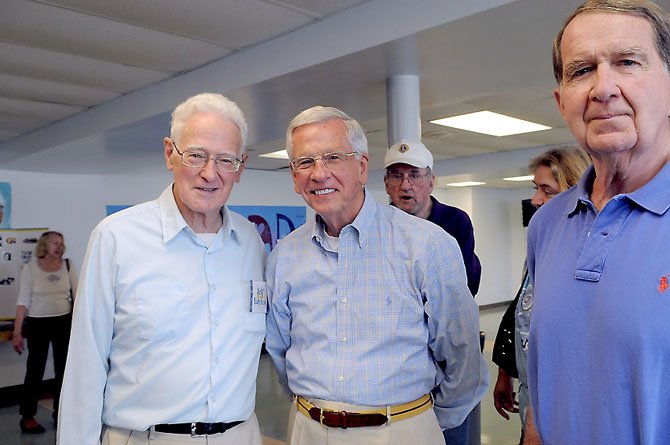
(272, 404)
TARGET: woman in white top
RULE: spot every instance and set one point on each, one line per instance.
(43, 315)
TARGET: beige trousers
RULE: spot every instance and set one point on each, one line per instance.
(246, 433)
(422, 429)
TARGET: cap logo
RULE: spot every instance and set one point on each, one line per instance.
(403, 148)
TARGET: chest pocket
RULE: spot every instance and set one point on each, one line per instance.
(161, 311)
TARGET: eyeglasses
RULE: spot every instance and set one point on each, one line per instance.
(413, 178)
(197, 158)
(331, 161)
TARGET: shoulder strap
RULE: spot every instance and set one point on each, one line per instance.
(67, 264)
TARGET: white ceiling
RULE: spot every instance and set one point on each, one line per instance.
(86, 85)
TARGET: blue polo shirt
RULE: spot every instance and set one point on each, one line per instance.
(599, 347)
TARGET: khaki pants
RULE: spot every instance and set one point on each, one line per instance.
(422, 429)
(246, 433)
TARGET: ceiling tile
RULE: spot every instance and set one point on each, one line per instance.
(35, 110)
(320, 7)
(230, 23)
(16, 125)
(48, 91)
(71, 32)
(66, 68)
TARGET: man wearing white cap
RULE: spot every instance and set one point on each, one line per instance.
(409, 182)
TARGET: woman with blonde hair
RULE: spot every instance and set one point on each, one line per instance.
(43, 317)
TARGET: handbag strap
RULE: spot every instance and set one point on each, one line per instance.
(67, 265)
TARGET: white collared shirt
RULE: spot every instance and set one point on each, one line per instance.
(162, 329)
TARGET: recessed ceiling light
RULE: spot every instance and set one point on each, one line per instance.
(465, 184)
(280, 154)
(520, 178)
(487, 122)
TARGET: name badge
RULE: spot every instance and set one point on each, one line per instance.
(258, 297)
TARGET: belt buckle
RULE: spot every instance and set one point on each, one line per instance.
(341, 414)
(193, 433)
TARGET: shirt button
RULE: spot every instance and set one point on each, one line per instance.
(216, 322)
(344, 339)
(341, 378)
(344, 300)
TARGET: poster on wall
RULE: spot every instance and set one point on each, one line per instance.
(273, 222)
(5, 205)
(17, 247)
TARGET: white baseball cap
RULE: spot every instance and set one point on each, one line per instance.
(409, 152)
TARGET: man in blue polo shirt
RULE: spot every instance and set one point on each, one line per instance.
(599, 254)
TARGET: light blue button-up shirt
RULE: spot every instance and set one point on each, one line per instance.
(162, 331)
(382, 319)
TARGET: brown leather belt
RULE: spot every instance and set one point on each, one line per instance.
(377, 417)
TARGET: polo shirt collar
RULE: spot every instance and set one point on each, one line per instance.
(653, 196)
(581, 197)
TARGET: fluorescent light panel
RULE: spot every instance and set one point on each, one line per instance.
(520, 178)
(280, 154)
(487, 122)
(465, 184)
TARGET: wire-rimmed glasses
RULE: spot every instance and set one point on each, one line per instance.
(197, 158)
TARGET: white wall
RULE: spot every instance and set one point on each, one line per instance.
(501, 242)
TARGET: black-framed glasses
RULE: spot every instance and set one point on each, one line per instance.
(330, 160)
(413, 177)
(197, 158)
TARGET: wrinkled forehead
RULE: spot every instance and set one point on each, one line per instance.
(593, 31)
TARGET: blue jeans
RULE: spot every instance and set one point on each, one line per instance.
(461, 434)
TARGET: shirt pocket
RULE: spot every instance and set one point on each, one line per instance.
(161, 311)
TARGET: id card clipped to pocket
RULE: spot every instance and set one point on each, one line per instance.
(258, 297)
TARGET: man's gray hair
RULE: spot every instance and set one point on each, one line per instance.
(319, 114)
(656, 16)
(208, 103)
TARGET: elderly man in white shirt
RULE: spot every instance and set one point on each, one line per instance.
(166, 335)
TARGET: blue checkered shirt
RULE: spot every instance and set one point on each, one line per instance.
(382, 319)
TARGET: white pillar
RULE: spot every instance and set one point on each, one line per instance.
(403, 108)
